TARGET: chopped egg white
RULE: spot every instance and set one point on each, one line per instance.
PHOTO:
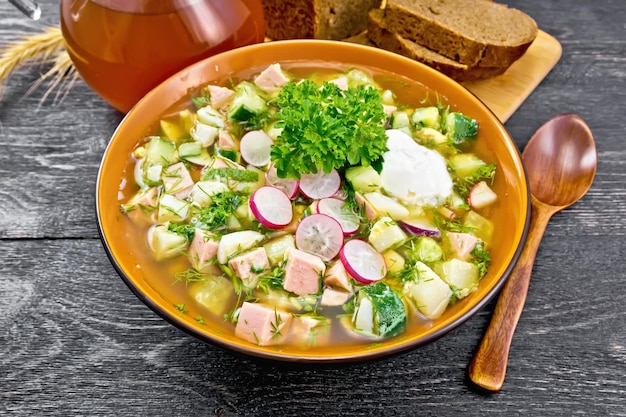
(412, 173)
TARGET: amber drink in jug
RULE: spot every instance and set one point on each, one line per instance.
(124, 48)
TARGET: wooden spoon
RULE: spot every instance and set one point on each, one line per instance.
(560, 161)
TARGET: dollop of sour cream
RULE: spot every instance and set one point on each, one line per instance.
(412, 173)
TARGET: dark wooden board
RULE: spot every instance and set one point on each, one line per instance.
(75, 341)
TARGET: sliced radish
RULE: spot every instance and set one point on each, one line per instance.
(482, 195)
(271, 207)
(362, 261)
(288, 185)
(336, 209)
(255, 147)
(319, 235)
(320, 185)
(420, 226)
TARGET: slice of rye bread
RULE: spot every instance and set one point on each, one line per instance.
(316, 19)
(472, 32)
(393, 42)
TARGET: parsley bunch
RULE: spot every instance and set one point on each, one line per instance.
(325, 127)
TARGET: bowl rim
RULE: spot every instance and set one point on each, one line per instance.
(255, 351)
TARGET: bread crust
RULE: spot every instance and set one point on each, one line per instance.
(477, 33)
(393, 42)
(316, 19)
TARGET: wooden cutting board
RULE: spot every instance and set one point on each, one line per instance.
(505, 93)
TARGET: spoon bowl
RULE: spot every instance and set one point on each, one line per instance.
(561, 161)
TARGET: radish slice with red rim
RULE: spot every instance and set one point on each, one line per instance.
(271, 207)
(255, 148)
(420, 227)
(319, 235)
(337, 209)
(362, 261)
(320, 185)
(288, 185)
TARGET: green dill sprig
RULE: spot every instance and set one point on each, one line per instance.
(463, 185)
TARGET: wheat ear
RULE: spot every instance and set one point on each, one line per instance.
(48, 46)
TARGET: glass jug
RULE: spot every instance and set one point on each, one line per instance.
(124, 48)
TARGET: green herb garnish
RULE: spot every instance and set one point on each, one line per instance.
(223, 206)
(326, 127)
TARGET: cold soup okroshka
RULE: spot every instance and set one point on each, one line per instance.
(312, 207)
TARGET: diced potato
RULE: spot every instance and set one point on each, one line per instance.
(172, 130)
(205, 134)
(431, 136)
(387, 206)
(400, 119)
(215, 293)
(429, 294)
(462, 276)
(172, 209)
(386, 234)
(276, 248)
(237, 242)
(166, 244)
(480, 227)
(209, 116)
(465, 164)
(394, 261)
(202, 192)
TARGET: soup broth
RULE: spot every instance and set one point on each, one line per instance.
(172, 279)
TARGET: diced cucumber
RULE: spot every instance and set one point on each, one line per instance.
(429, 293)
(400, 119)
(229, 154)
(364, 179)
(385, 234)
(465, 164)
(158, 153)
(387, 206)
(203, 159)
(248, 187)
(246, 103)
(479, 226)
(379, 311)
(460, 128)
(428, 249)
(426, 117)
(166, 244)
(189, 149)
(462, 276)
(172, 209)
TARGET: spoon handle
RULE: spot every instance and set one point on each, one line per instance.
(488, 366)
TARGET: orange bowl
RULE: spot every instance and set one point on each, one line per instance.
(132, 261)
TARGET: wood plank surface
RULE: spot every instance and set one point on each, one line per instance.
(505, 93)
(74, 340)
